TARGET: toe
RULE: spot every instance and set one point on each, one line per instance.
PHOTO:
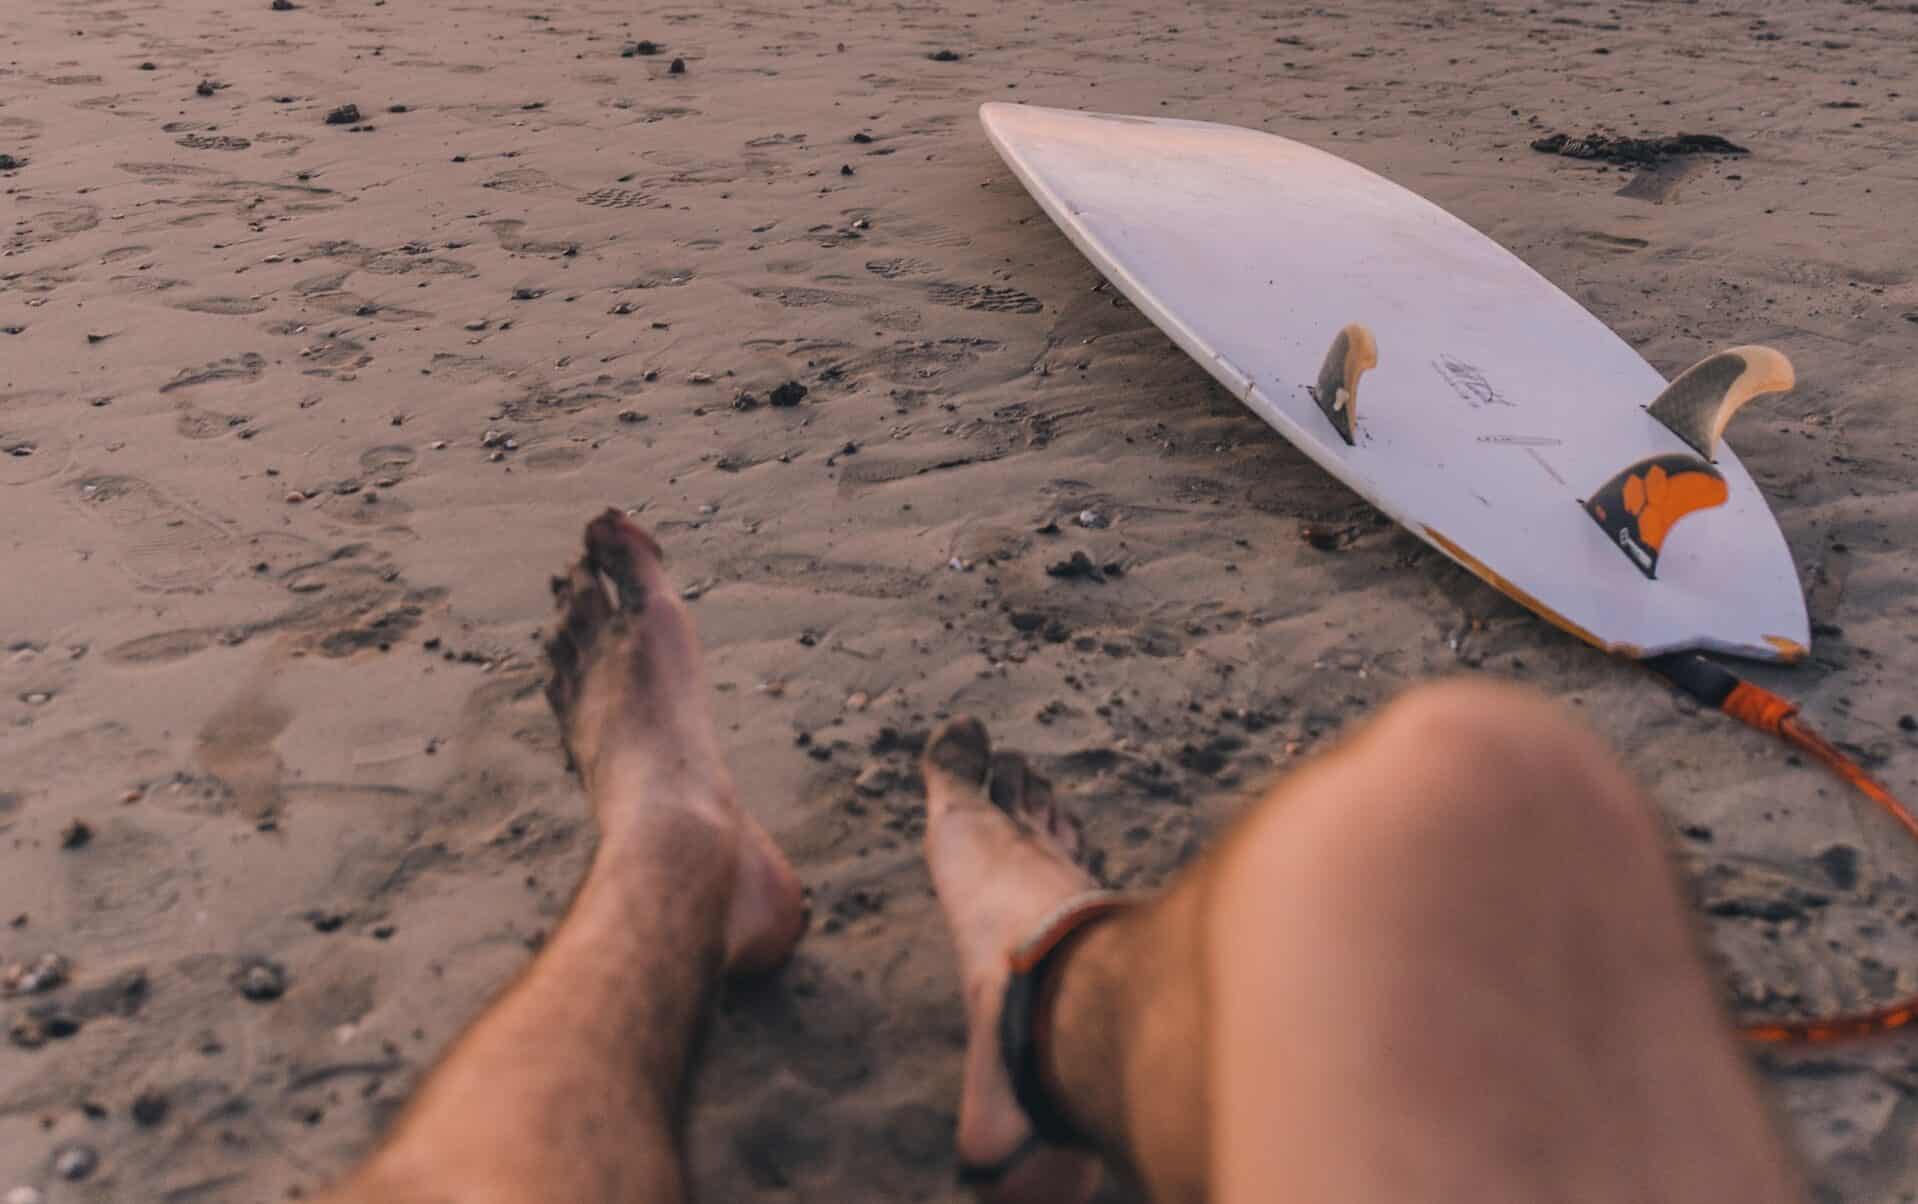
(959, 752)
(621, 550)
(588, 609)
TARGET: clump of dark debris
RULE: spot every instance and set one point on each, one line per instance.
(1636, 152)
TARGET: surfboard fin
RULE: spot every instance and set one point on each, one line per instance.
(1353, 353)
(1703, 399)
(1638, 507)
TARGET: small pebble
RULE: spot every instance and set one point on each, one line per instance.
(344, 115)
(260, 980)
(283, 6)
(944, 56)
(8, 162)
(149, 1108)
(206, 87)
(44, 973)
(678, 67)
(76, 835)
(294, 497)
(789, 394)
(1094, 520)
(875, 779)
(75, 1162)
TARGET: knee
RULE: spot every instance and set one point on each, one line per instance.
(1506, 756)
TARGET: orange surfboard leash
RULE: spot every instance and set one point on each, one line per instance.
(1716, 686)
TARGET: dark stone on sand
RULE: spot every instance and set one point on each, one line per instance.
(8, 162)
(789, 394)
(344, 115)
(1840, 863)
(283, 6)
(845, 169)
(149, 1108)
(1698, 832)
(862, 139)
(944, 56)
(1772, 911)
(325, 921)
(149, 66)
(206, 87)
(641, 48)
(528, 294)
(260, 980)
(1908, 723)
(745, 401)
(1079, 566)
(1026, 620)
(399, 108)
(678, 67)
(1640, 152)
(76, 835)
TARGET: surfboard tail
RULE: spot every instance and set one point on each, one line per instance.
(1353, 353)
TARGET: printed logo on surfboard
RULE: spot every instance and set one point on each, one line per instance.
(1469, 383)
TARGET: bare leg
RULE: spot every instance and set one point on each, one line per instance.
(1447, 961)
(569, 1086)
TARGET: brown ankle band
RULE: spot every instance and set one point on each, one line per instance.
(1025, 1018)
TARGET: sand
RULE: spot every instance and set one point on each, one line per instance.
(300, 416)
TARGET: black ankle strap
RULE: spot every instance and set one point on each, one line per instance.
(1025, 1017)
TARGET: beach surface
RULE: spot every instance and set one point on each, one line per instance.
(301, 408)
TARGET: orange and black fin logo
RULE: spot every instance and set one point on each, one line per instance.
(1703, 399)
(1638, 507)
(1353, 353)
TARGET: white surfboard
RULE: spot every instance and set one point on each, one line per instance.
(1499, 410)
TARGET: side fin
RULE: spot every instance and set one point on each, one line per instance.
(1703, 399)
(1353, 353)
(1638, 507)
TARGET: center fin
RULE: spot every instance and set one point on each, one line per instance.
(1638, 507)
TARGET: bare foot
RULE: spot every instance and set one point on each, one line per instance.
(1003, 857)
(629, 689)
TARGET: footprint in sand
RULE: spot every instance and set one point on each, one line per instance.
(52, 225)
(221, 305)
(931, 234)
(892, 269)
(553, 458)
(162, 543)
(195, 423)
(220, 142)
(387, 466)
(620, 198)
(247, 366)
(984, 297)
